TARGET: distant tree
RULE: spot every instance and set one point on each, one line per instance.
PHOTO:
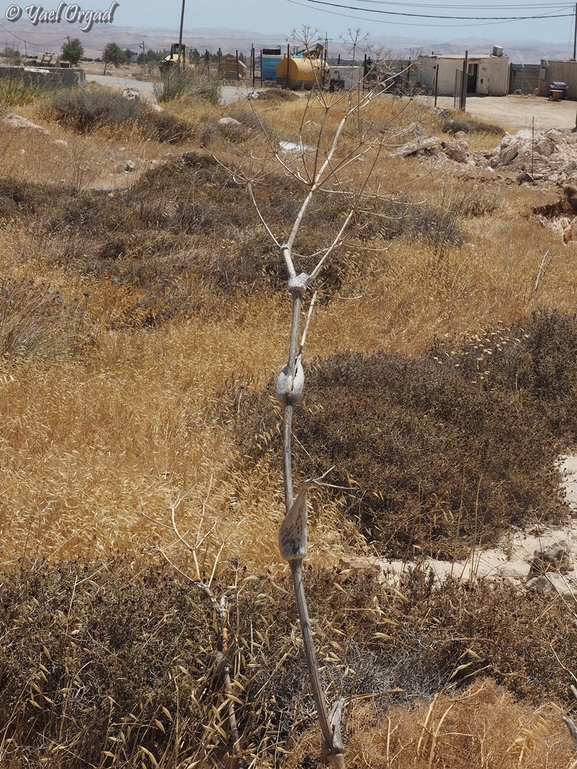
(195, 56)
(113, 56)
(149, 60)
(73, 51)
(130, 55)
(153, 56)
(14, 57)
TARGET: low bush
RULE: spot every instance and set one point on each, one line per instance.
(164, 126)
(19, 198)
(456, 122)
(187, 85)
(277, 95)
(36, 322)
(535, 358)
(88, 109)
(441, 453)
(119, 662)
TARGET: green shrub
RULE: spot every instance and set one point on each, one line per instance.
(15, 91)
(88, 109)
(178, 84)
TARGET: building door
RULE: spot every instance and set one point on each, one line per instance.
(472, 72)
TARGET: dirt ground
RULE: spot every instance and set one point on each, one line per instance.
(517, 112)
(513, 112)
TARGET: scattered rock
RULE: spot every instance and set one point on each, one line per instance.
(428, 144)
(554, 557)
(287, 146)
(545, 146)
(549, 155)
(132, 94)
(129, 166)
(508, 151)
(229, 121)
(17, 121)
(457, 150)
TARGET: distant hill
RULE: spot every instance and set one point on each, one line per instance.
(32, 40)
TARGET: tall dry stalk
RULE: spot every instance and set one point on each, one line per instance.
(321, 168)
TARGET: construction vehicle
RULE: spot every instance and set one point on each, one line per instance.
(177, 58)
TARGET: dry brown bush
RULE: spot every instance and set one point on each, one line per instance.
(122, 662)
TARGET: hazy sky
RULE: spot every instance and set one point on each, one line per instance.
(375, 16)
(415, 19)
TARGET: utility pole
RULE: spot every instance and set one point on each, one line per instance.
(575, 34)
(180, 51)
(464, 83)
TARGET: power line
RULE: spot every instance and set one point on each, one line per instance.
(52, 40)
(438, 16)
(467, 6)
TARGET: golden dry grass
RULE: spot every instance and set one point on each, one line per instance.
(92, 444)
(481, 727)
(103, 451)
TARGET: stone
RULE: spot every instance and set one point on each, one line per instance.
(457, 150)
(17, 121)
(552, 558)
(132, 94)
(412, 148)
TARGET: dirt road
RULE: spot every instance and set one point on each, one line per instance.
(516, 112)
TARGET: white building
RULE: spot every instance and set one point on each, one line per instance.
(486, 74)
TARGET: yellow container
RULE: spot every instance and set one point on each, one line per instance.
(300, 72)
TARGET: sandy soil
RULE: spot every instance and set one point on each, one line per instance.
(516, 112)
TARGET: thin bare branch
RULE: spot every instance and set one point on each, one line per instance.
(260, 216)
(308, 320)
(333, 245)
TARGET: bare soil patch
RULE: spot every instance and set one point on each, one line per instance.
(516, 112)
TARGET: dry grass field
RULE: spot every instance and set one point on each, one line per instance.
(144, 318)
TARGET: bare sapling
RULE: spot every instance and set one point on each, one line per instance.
(328, 165)
(221, 608)
(570, 724)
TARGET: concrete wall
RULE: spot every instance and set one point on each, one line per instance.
(351, 75)
(47, 77)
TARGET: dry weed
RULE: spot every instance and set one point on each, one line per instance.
(482, 727)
